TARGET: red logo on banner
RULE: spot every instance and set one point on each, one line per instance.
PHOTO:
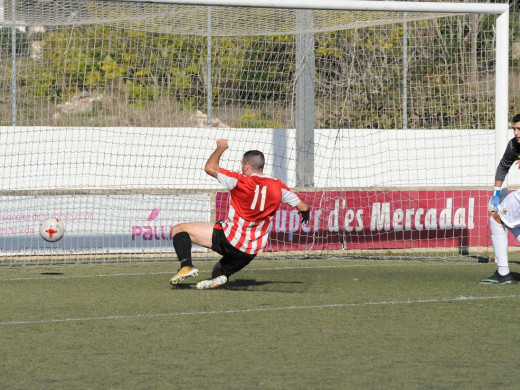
(153, 215)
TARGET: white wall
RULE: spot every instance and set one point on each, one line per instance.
(36, 158)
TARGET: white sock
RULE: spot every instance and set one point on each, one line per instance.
(499, 240)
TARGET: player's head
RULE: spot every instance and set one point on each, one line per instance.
(516, 126)
(254, 160)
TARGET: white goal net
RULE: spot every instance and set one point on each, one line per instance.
(384, 121)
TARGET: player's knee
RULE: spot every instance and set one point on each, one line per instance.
(177, 229)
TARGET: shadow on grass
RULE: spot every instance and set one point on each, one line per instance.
(246, 284)
(237, 285)
(185, 286)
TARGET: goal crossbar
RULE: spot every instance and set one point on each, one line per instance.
(341, 5)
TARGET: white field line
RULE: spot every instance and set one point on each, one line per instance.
(257, 310)
(53, 277)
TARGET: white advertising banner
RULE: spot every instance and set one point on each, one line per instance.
(97, 223)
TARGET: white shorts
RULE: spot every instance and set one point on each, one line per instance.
(509, 209)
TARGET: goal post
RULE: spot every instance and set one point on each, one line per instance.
(371, 110)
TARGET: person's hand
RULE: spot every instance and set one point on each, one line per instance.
(222, 144)
(494, 201)
(306, 215)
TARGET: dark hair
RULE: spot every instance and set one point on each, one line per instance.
(516, 118)
(255, 158)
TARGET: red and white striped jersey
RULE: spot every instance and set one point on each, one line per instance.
(254, 200)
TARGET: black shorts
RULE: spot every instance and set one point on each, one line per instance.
(232, 260)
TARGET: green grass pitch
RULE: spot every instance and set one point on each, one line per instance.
(278, 324)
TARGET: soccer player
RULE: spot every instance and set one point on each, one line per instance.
(254, 198)
(506, 214)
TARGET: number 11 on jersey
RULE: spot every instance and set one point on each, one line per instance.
(258, 191)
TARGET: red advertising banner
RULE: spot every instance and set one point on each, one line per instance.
(380, 220)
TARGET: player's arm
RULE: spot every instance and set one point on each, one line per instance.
(509, 157)
(293, 200)
(213, 164)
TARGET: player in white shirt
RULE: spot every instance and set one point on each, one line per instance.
(254, 199)
(506, 214)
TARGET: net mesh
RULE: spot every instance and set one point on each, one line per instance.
(110, 110)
